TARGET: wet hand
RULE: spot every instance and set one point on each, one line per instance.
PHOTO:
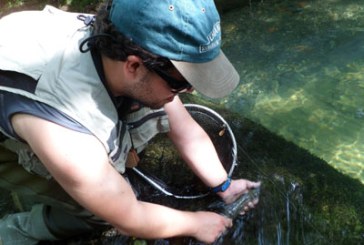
(238, 188)
(250, 206)
(211, 227)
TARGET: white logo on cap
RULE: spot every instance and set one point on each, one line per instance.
(214, 39)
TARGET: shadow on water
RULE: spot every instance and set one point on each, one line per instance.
(305, 200)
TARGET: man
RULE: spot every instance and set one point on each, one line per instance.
(66, 87)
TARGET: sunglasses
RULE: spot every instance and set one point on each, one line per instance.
(177, 86)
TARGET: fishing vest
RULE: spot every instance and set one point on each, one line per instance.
(45, 46)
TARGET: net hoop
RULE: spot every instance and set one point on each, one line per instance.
(197, 112)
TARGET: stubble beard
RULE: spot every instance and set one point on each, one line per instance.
(143, 92)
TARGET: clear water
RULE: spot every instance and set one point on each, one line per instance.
(302, 70)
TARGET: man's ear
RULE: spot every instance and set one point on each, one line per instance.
(133, 64)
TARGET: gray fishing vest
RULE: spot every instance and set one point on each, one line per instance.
(45, 46)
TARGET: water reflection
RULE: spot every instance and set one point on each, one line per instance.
(303, 74)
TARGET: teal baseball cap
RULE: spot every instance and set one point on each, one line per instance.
(187, 32)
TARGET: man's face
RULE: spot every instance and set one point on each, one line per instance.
(154, 91)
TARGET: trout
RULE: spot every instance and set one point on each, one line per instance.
(232, 210)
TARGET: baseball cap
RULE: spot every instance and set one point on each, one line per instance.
(187, 32)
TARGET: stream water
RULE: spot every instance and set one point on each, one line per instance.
(302, 70)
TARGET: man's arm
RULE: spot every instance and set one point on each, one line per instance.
(198, 151)
(194, 144)
(80, 165)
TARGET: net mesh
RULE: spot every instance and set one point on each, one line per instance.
(219, 132)
(161, 162)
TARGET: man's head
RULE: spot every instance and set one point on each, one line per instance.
(186, 32)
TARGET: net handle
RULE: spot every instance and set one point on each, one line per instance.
(156, 183)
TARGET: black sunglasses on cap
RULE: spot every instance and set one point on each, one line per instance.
(177, 86)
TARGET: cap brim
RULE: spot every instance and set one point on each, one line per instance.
(214, 79)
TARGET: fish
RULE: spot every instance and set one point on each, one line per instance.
(234, 209)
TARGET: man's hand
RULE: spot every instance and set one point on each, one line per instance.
(238, 188)
(212, 226)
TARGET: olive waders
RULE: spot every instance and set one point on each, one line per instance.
(47, 212)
